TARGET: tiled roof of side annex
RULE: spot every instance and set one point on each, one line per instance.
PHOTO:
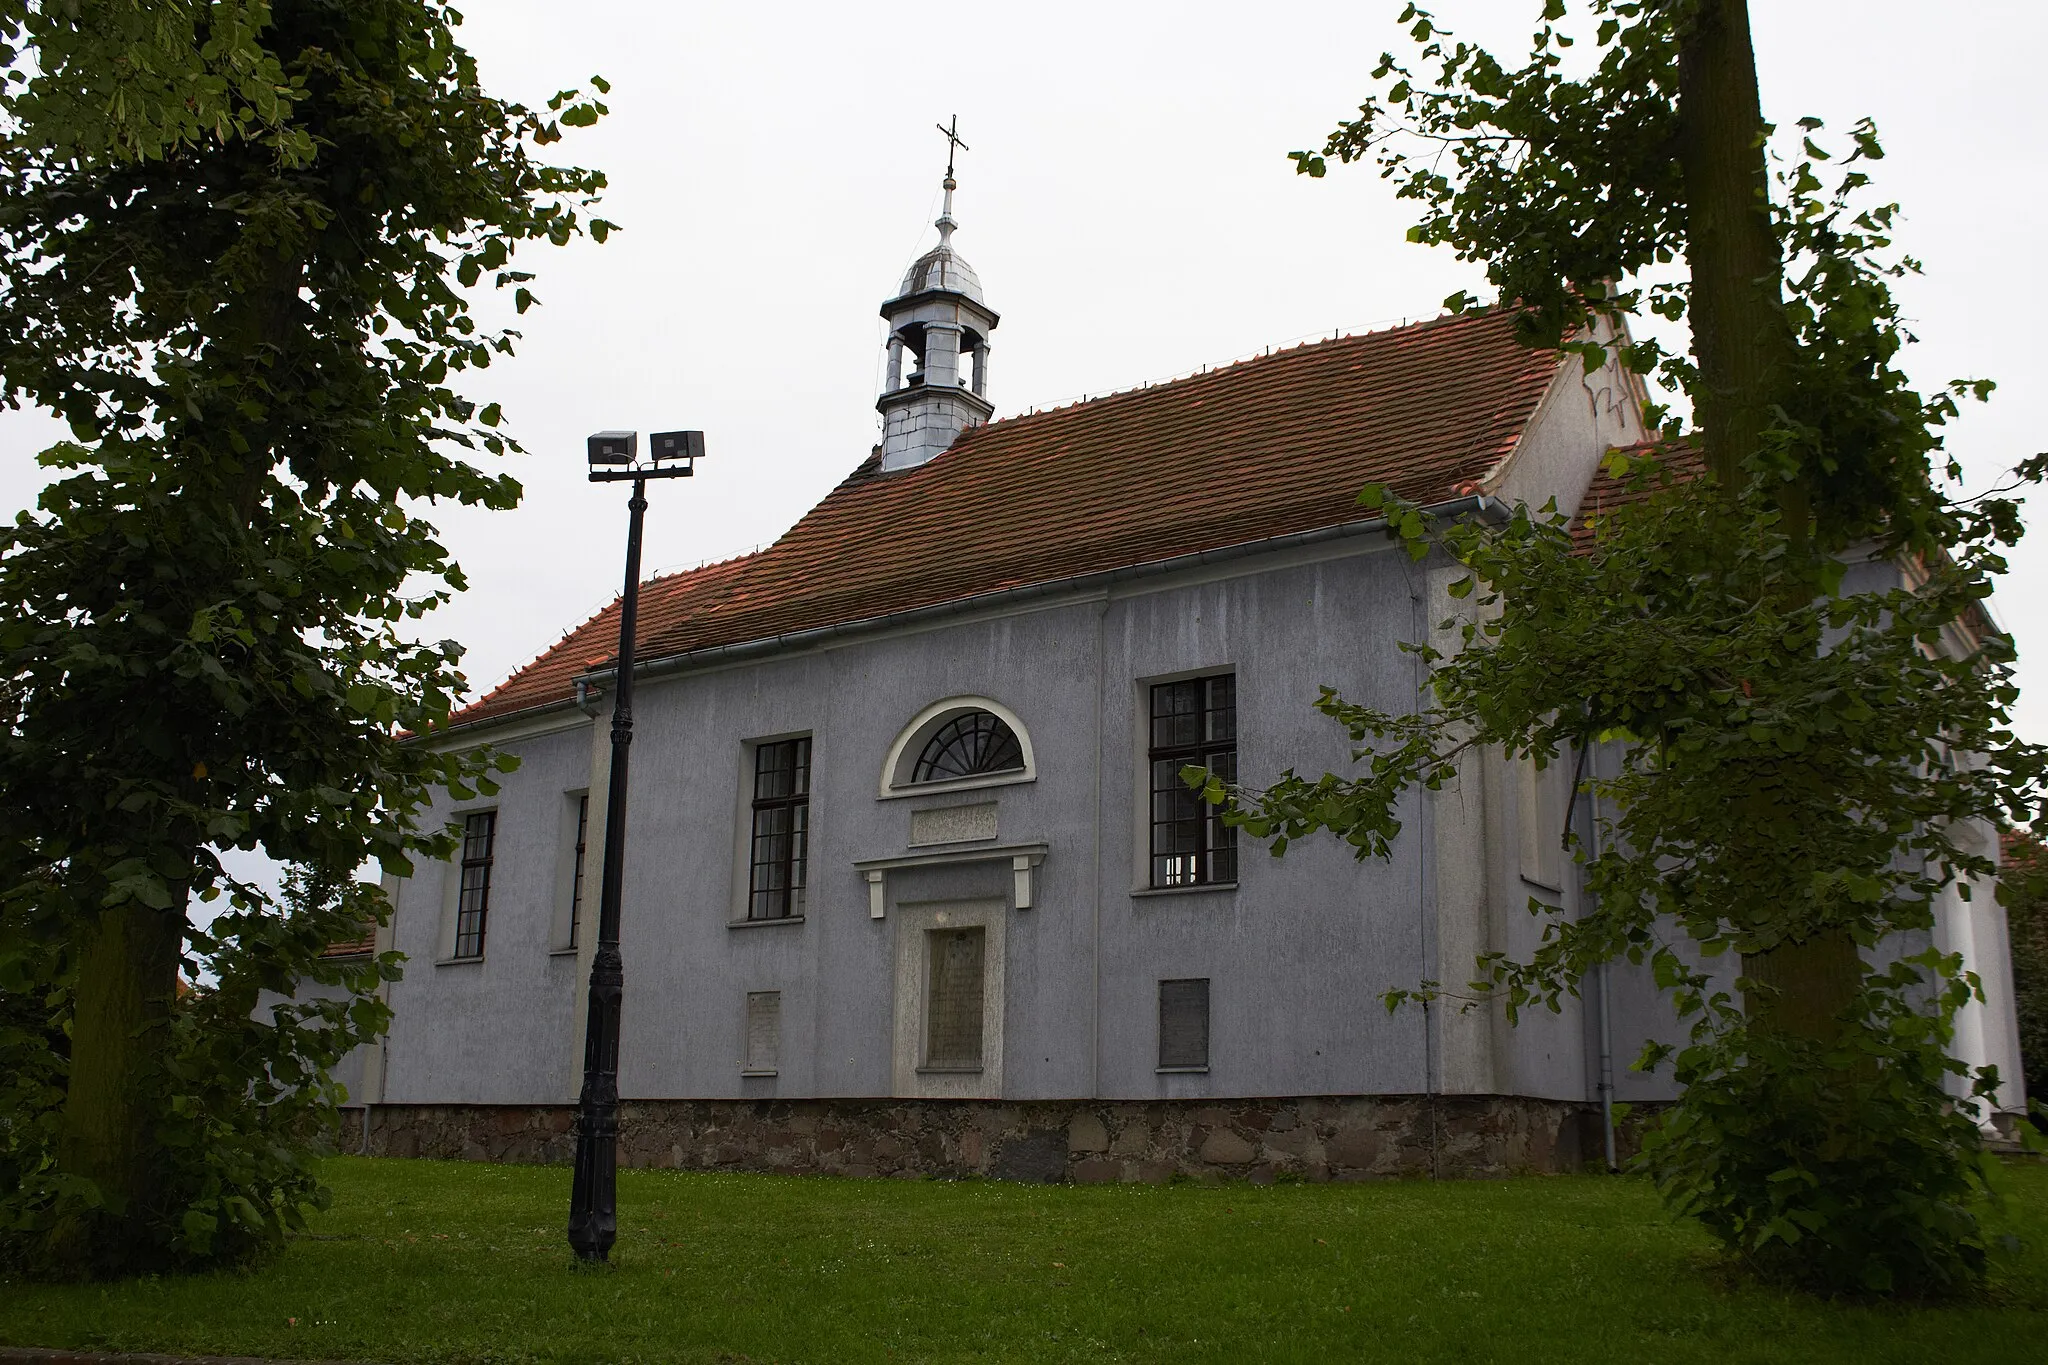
(1267, 447)
(362, 945)
(1680, 461)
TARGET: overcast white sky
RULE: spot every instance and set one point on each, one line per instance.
(1129, 206)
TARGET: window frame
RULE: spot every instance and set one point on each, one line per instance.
(1217, 850)
(582, 844)
(1543, 806)
(477, 916)
(1208, 995)
(795, 858)
(909, 745)
(910, 968)
(750, 1064)
(987, 733)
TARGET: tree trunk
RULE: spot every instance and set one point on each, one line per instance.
(1804, 985)
(1740, 337)
(128, 957)
(1743, 345)
(127, 985)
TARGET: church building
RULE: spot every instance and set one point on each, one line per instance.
(913, 885)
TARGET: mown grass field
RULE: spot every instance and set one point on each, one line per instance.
(437, 1261)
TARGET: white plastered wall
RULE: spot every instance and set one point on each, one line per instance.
(1581, 418)
(1987, 1030)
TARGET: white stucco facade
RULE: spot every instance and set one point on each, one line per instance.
(1042, 873)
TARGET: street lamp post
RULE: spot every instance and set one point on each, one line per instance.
(593, 1200)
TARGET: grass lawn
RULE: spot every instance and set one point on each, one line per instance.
(440, 1261)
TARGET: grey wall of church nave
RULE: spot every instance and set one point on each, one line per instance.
(1298, 953)
(492, 1029)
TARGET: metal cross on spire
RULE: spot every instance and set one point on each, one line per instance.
(953, 144)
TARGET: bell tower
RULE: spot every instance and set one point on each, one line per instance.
(939, 318)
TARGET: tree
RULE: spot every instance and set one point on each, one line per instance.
(137, 79)
(1799, 754)
(235, 268)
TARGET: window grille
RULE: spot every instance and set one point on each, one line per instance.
(473, 901)
(1184, 1024)
(969, 745)
(764, 1033)
(782, 823)
(576, 881)
(1194, 721)
(953, 1002)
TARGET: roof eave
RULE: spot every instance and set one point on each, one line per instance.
(524, 713)
(1481, 505)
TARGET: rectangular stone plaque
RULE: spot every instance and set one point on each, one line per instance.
(952, 824)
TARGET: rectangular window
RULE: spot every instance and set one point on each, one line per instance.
(576, 875)
(782, 822)
(953, 999)
(1545, 801)
(1184, 1024)
(1194, 721)
(473, 902)
(764, 1033)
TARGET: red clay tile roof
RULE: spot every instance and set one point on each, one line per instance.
(353, 947)
(1682, 462)
(664, 602)
(1263, 448)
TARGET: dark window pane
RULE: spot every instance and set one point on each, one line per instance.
(779, 847)
(1219, 717)
(1184, 1023)
(1176, 714)
(782, 770)
(1223, 854)
(1193, 723)
(954, 998)
(969, 745)
(576, 882)
(473, 893)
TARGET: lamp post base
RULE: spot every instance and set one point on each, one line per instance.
(594, 1207)
(593, 1199)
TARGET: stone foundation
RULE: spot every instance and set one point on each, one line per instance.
(1337, 1138)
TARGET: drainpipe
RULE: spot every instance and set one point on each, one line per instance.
(1095, 1095)
(1606, 1005)
(1425, 895)
(1607, 1070)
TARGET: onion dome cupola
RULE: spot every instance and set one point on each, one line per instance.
(940, 318)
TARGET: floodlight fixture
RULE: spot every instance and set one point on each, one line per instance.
(670, 447)
(614, 448)
(615, 456)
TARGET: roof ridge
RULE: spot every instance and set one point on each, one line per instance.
(701, 565)
(1228, 366)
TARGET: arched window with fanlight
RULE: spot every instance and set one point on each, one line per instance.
(958, 742)
(972, 744)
